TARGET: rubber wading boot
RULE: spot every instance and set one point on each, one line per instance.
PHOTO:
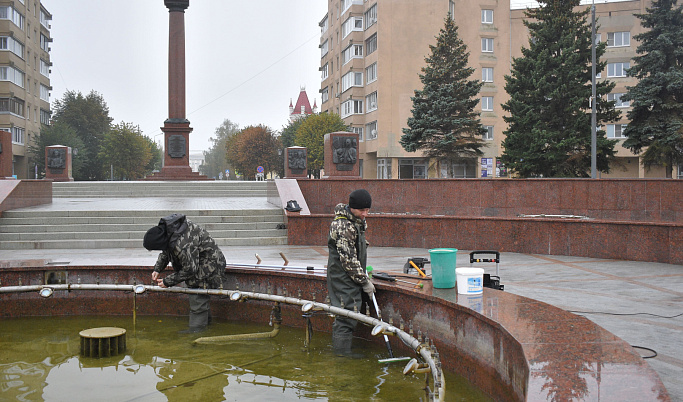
(198, 323)
(342, 346)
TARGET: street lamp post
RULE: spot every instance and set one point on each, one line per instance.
(594, 160)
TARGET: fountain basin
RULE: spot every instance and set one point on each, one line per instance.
(511, 347)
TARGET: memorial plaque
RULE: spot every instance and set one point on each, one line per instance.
(176, 146)
(56, 159)
(344, 152)
(297, 160)
(58, 163)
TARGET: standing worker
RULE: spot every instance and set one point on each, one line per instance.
(196, 260)
(346, 275)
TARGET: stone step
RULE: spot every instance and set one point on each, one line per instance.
(159, 189)
(165, 184)
(194, 215)
(131, 243)
(133, 227)
(143, 220)
(113, 223)
(198, 194)
(137, 234)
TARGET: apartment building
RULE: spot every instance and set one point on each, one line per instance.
(373, 50)
(24, 77)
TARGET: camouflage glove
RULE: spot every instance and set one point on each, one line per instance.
(369, 288)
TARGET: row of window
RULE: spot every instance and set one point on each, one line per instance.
(614, 39)
(614, 70)
(9, 13)
(17, 134)
(352, 23)
(355, 106)
(350, 79)
(486, 15)
(417, 169)
(370, 129)
(16, 107)
(13, 45)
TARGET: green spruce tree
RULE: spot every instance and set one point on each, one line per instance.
(444, 123)
(549, 132)
(656, 115)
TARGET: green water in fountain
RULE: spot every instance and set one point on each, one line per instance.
(39, 361)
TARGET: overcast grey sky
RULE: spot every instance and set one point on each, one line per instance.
(244, 59)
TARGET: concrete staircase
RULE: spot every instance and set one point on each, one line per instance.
(125, 227)
(197, 189)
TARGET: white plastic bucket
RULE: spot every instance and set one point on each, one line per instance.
(470, 281)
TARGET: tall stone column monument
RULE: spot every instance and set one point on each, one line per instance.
(176, 128)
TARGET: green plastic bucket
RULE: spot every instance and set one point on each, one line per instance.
(443, 267)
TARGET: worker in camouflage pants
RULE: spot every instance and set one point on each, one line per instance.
(347, 278)
(196, 260)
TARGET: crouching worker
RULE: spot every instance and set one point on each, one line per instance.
(347, 279)
(196, 260)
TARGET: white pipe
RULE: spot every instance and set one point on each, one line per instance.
(406, 338)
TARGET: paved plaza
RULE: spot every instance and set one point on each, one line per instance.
(641, 302)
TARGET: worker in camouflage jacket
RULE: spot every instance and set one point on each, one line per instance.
(195, 258)
(347, 278)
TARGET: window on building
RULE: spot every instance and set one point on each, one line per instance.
(616, 130)
(324, 48)
(44, 93)
(412, 169)
(325, 94)
(44, 43)
(351, 107)
(451, 8)
(371, 44)
(371, 16)
(487, 74)
(9, 13)
(680, 171)
(384, 168)
(487, 16)
(617, 100)
(17, 134)
(13, 106)
(352, 79)
(45, 117)
(323, 70)
(13, 45)
(371, 101)
(618, 39)
(324, 25)
(617, 69)
(359, 131)
(488, 136)
(45, 19)
(487, 45)
(13, 75)
(352, 24)
(464, 170)
(487, 103)
(371, 72)
(371, 130)
(346, 4)
(352, 52)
